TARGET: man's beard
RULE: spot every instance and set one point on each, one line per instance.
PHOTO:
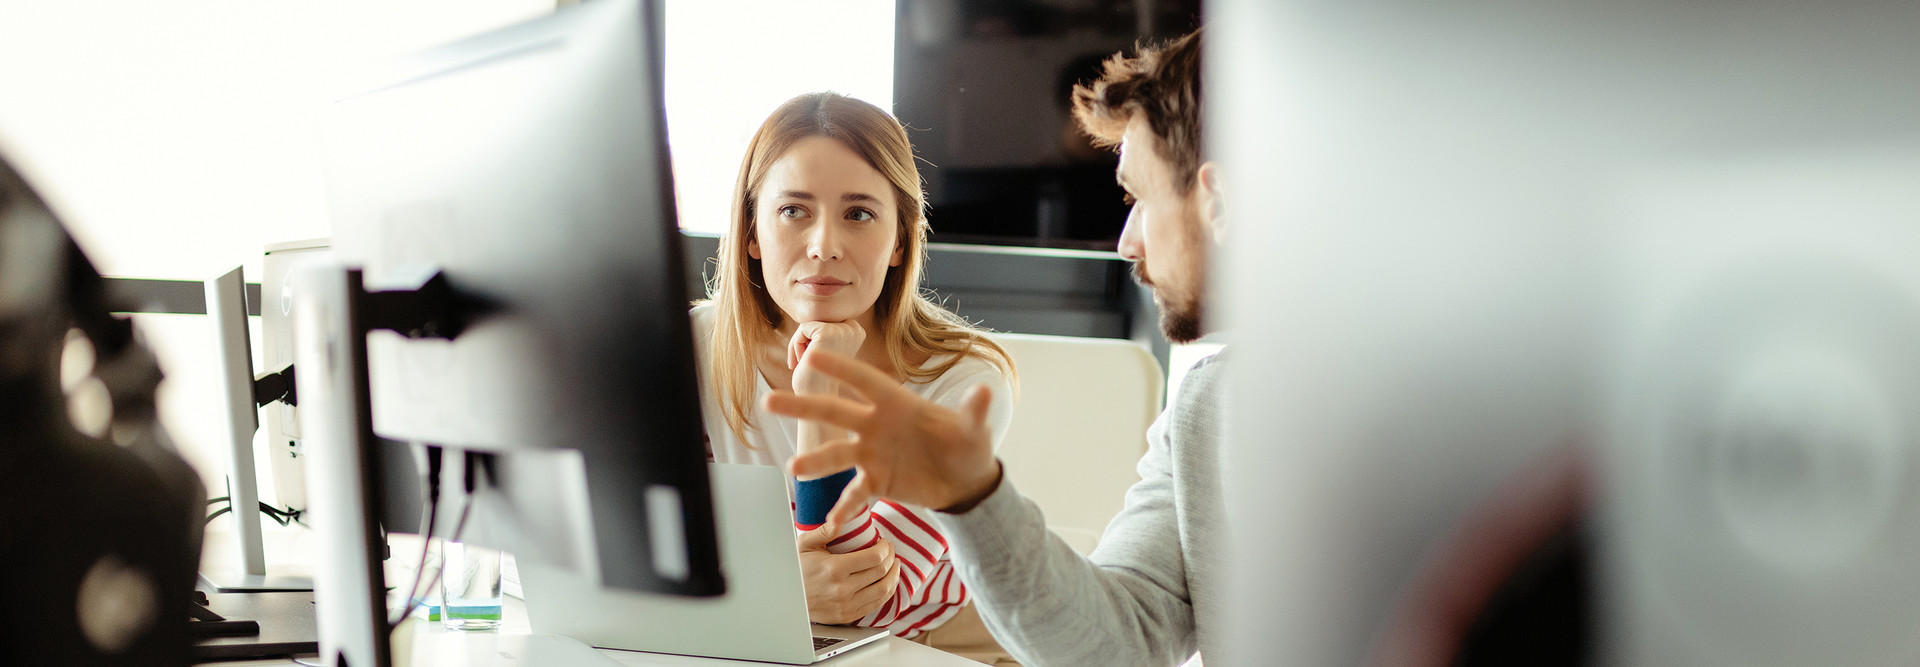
(1179, 312)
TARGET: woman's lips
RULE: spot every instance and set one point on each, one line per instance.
(822, 285)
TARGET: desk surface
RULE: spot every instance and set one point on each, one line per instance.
(288, 549)
(430, 649)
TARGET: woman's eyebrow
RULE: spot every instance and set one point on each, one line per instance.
(858, 196)
(796, 194)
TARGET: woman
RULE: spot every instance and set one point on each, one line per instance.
(825, 253)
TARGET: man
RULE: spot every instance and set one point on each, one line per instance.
(1153, 592)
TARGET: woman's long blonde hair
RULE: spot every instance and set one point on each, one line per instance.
(911, 325)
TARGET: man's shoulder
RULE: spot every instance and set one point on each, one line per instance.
(1208, 371)
(1213, 361)
(1202, 389)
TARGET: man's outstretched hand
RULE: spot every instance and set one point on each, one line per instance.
(904, 447)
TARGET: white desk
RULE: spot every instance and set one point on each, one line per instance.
(892, 651)
(435, 646)
(289, 548)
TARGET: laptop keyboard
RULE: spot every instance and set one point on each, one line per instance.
(823, 642)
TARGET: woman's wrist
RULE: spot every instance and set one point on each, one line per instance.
(809, 384)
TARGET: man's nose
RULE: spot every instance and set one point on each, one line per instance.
(1132, 248)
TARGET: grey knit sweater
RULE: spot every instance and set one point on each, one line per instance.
(1152, 593)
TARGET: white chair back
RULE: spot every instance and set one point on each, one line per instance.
(1079, 427)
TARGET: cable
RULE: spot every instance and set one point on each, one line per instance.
(471, 462)
(298, 661)
(459, 526)
(474, 461)
(426, 535)
(284, 517)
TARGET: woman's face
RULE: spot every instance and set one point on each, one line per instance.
(825, 231)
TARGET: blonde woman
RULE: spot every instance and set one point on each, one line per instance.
(824, 252)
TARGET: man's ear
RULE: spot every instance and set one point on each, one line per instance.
(1211, 184)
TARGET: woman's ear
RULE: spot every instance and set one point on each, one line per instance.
(753, 248)
(899, 252)
(1213, 192)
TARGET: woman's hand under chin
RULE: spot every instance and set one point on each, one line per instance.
(843, 338)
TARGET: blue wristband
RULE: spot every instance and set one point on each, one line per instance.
(814, 498)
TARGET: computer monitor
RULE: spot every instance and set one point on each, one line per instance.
(529, 168)
(277, 287)
(1679, 236)
(242, 395)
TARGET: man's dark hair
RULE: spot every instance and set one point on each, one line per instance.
(1161, 82)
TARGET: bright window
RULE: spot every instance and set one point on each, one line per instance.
(730, 63)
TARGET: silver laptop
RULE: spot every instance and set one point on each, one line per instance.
(763, 616)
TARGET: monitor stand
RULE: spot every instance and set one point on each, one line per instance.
(253, 625)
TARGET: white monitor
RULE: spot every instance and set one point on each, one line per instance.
(240, 395)
(277, 289)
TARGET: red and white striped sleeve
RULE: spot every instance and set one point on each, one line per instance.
(929, 591)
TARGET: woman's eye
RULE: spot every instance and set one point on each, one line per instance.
(791, 212)
(859, 215)
(1127, 198)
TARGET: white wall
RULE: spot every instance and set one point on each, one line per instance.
(176, 139)
(730, 63)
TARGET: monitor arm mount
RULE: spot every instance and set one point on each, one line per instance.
(435, 309)
(276, 386)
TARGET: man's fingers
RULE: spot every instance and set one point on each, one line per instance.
(853, 499)
(858, 375)
(975, 405)
(832, 410)
(827, 459)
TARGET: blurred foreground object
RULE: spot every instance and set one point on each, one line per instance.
(99, 518)
(1678, 238)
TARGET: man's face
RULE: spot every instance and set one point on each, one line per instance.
(1166, 236)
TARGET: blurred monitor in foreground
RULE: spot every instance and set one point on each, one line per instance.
(1637, 278)
(529, 167)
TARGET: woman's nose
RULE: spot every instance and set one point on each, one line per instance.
(823, 244)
